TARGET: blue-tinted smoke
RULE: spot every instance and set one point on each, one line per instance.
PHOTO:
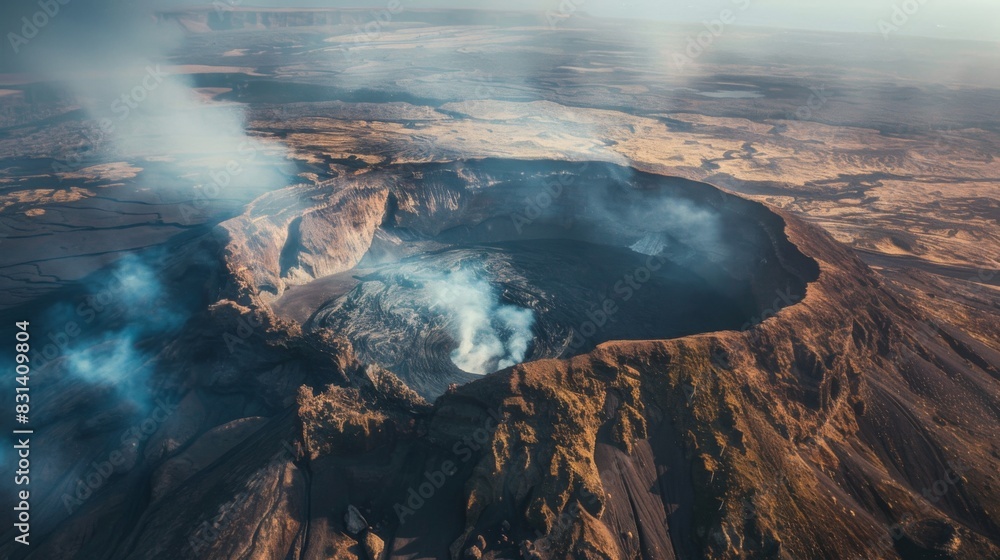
(97, 338)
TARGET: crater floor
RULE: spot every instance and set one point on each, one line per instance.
(475, 266)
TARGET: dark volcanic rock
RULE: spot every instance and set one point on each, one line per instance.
(840, 427)
(598, 252)
(354, 521)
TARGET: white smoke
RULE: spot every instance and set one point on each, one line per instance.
(699, 227)
(116, 61)
(491, 335)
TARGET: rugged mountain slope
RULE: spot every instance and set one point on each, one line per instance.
(847, 425)
(833, 430)
(595, 251)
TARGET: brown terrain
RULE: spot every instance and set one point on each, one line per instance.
(814, 375)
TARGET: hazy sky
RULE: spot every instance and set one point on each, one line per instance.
(82, 22)
(972, 19)
(956, 19)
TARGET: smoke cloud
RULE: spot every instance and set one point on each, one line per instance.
(98, 338)
(698, 227)
(491, 335)
(114, 61)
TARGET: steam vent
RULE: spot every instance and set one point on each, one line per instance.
(441, 273)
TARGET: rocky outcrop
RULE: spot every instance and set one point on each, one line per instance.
(799, 438)
(852, 424)
(780, 441)
(597, 251)
(301, 233)
(776, 441)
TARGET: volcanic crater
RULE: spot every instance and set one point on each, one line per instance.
(443, 272)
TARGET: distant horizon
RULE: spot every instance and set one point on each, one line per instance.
(107, 25)
(973, 20)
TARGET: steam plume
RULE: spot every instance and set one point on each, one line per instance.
(491, 336)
